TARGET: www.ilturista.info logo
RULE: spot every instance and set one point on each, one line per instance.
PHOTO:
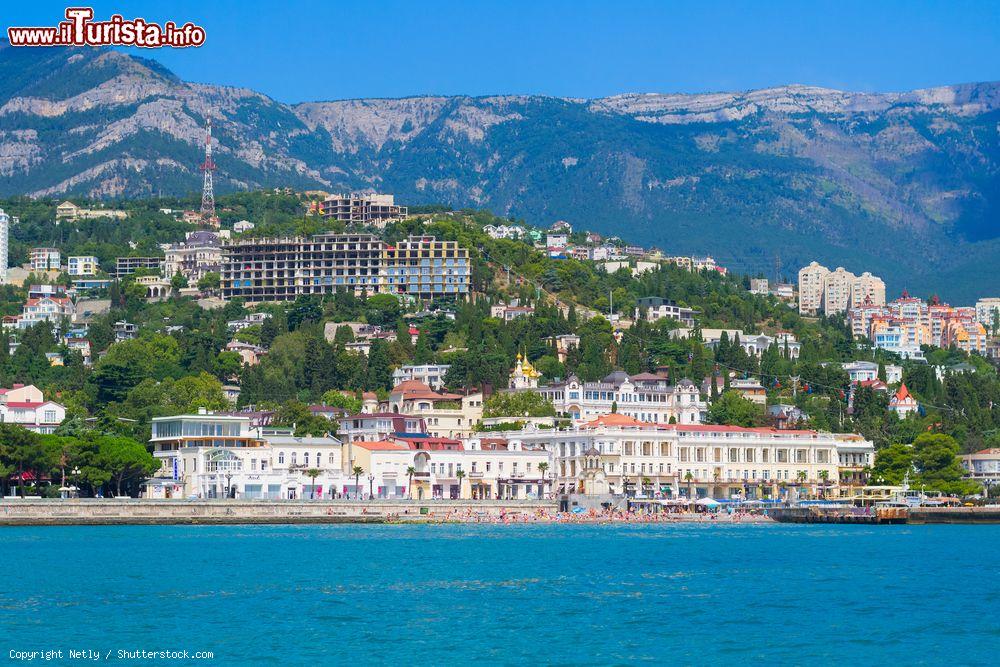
(79, 29)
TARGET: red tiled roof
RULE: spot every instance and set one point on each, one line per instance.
(615, 419)
(379, 446)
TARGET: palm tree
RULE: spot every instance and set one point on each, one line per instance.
(312, 473)
(542, 469)
(802, 476)
(646, 483)
(824, 475)
(410, 472)
(688, 477)
(358, 472)
(460, 474)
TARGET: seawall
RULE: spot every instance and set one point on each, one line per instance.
(103, 512)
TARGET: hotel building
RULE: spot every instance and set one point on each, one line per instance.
(646, 396)
(209, 455)
(615, 454)
(477, 468)
(282, 269)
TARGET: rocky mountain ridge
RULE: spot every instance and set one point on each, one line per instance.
(906, 184)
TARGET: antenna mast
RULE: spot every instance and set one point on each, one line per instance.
(208, 217)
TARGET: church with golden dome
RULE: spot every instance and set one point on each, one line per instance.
(524, 376)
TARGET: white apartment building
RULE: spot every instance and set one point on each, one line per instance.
(431, 375)
(654, 308)
(987, 311)
(82, 265)
(866, 371)
(4, 241)
(44, 259)
(645, 396)
(616, 454)
(504, 231)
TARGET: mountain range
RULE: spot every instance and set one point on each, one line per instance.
(906, 185)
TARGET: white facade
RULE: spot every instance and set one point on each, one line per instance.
(211, 455)
(4, 240)
(987, 310)
(702, 460)
(646, 396)
(430, 374)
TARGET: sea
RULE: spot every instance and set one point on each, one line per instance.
(692, 594)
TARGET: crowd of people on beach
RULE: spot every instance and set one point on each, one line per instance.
(608, 515)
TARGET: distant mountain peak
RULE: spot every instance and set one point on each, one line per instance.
(903, 184)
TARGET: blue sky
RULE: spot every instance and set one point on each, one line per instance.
(298, 50)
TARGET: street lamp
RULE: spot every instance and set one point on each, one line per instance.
(371, 482)
(229, 483)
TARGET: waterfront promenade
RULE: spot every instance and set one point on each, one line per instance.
(104, 511)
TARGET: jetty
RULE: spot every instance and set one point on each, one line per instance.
(129, 511)
(886, 515)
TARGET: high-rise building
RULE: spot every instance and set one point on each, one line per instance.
(811, 279)
(424, 267)
(282, 269)
(4, 234)
(987, 312)
(831, 292)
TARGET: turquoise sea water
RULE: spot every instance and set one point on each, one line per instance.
(456, 594)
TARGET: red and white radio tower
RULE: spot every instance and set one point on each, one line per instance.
(208, 216)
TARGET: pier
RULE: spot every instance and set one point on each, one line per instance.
(125, 511)
(886, 515)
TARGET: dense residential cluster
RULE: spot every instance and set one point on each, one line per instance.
(315, 345)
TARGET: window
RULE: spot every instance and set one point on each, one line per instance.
(823, 456)
(281, 458)
(305, 459)
(294, 456)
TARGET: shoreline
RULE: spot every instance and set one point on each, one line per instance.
(120, 511)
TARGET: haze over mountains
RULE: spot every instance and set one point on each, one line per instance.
(906, 185)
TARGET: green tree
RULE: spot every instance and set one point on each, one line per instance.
(126, 460)
(518, 404)
(734, 410)
(379, 373)
(339, 399)
(382, 310)
(209, 281)
(935, 456)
